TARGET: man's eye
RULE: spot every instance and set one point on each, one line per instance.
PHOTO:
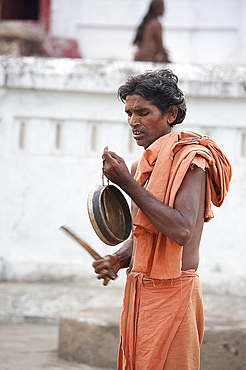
(143, 113)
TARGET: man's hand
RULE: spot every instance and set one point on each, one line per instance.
(101, 267)
(114, 168)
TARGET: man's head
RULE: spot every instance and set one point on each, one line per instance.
(159, 88)
(157, 7)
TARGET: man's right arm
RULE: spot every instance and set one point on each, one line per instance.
(123, 257)
(118, 260)
(124, 254)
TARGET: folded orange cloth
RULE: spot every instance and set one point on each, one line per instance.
(157, 316)
(167, 160)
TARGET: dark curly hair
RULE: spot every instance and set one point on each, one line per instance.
(159, 88)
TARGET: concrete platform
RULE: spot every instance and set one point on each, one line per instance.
(92, 337)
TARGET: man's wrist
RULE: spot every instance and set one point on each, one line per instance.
(122, 260)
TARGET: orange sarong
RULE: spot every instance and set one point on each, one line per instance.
(159, 317)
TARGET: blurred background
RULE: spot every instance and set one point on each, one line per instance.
(194, 31)
(61, 63)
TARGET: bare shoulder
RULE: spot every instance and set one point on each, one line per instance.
(195, 175)
(154, 24)
(192, 188)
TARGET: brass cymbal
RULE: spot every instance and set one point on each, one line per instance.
(109, 214)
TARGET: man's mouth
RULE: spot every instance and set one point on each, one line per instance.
(137, 134)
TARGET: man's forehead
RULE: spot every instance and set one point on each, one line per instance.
(136, 101)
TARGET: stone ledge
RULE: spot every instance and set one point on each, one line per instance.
(92, 337)
(224, 344)
(83, 75)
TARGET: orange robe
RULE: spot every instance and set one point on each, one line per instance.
(159, 317)
(162, 308)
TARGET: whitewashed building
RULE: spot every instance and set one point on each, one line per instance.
(56, 115)
(194, 31)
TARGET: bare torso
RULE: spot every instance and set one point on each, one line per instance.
(151, 44)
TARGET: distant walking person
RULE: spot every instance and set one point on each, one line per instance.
(149, 36)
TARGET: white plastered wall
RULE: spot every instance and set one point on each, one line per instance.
(194, 31)
(56, 116)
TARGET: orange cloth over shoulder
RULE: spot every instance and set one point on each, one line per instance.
(164, 164)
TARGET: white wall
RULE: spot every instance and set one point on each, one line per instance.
(194, 31)
(55, 118)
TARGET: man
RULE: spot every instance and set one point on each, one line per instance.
(149, 36)
(171, 187)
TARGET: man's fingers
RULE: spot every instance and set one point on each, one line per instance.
(106, 280)
(100, 267)
(104, 274)
(115, 156)
(96, 264)
(109, 154)
(105, 152)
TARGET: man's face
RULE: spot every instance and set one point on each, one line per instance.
(160, 9)
(146, 120)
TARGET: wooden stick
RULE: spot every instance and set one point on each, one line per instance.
(90, 250)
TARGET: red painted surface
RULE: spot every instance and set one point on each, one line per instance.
(44, 12)
(35, 16)
(59, 47)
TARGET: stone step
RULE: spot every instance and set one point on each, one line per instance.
(91, 337)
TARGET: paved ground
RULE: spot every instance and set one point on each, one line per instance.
(32, 347)
(29, 315)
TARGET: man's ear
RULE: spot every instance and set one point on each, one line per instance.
(172, 113)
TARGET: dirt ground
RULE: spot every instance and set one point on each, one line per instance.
(32, 347)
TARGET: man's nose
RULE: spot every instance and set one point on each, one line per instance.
(133, 120)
